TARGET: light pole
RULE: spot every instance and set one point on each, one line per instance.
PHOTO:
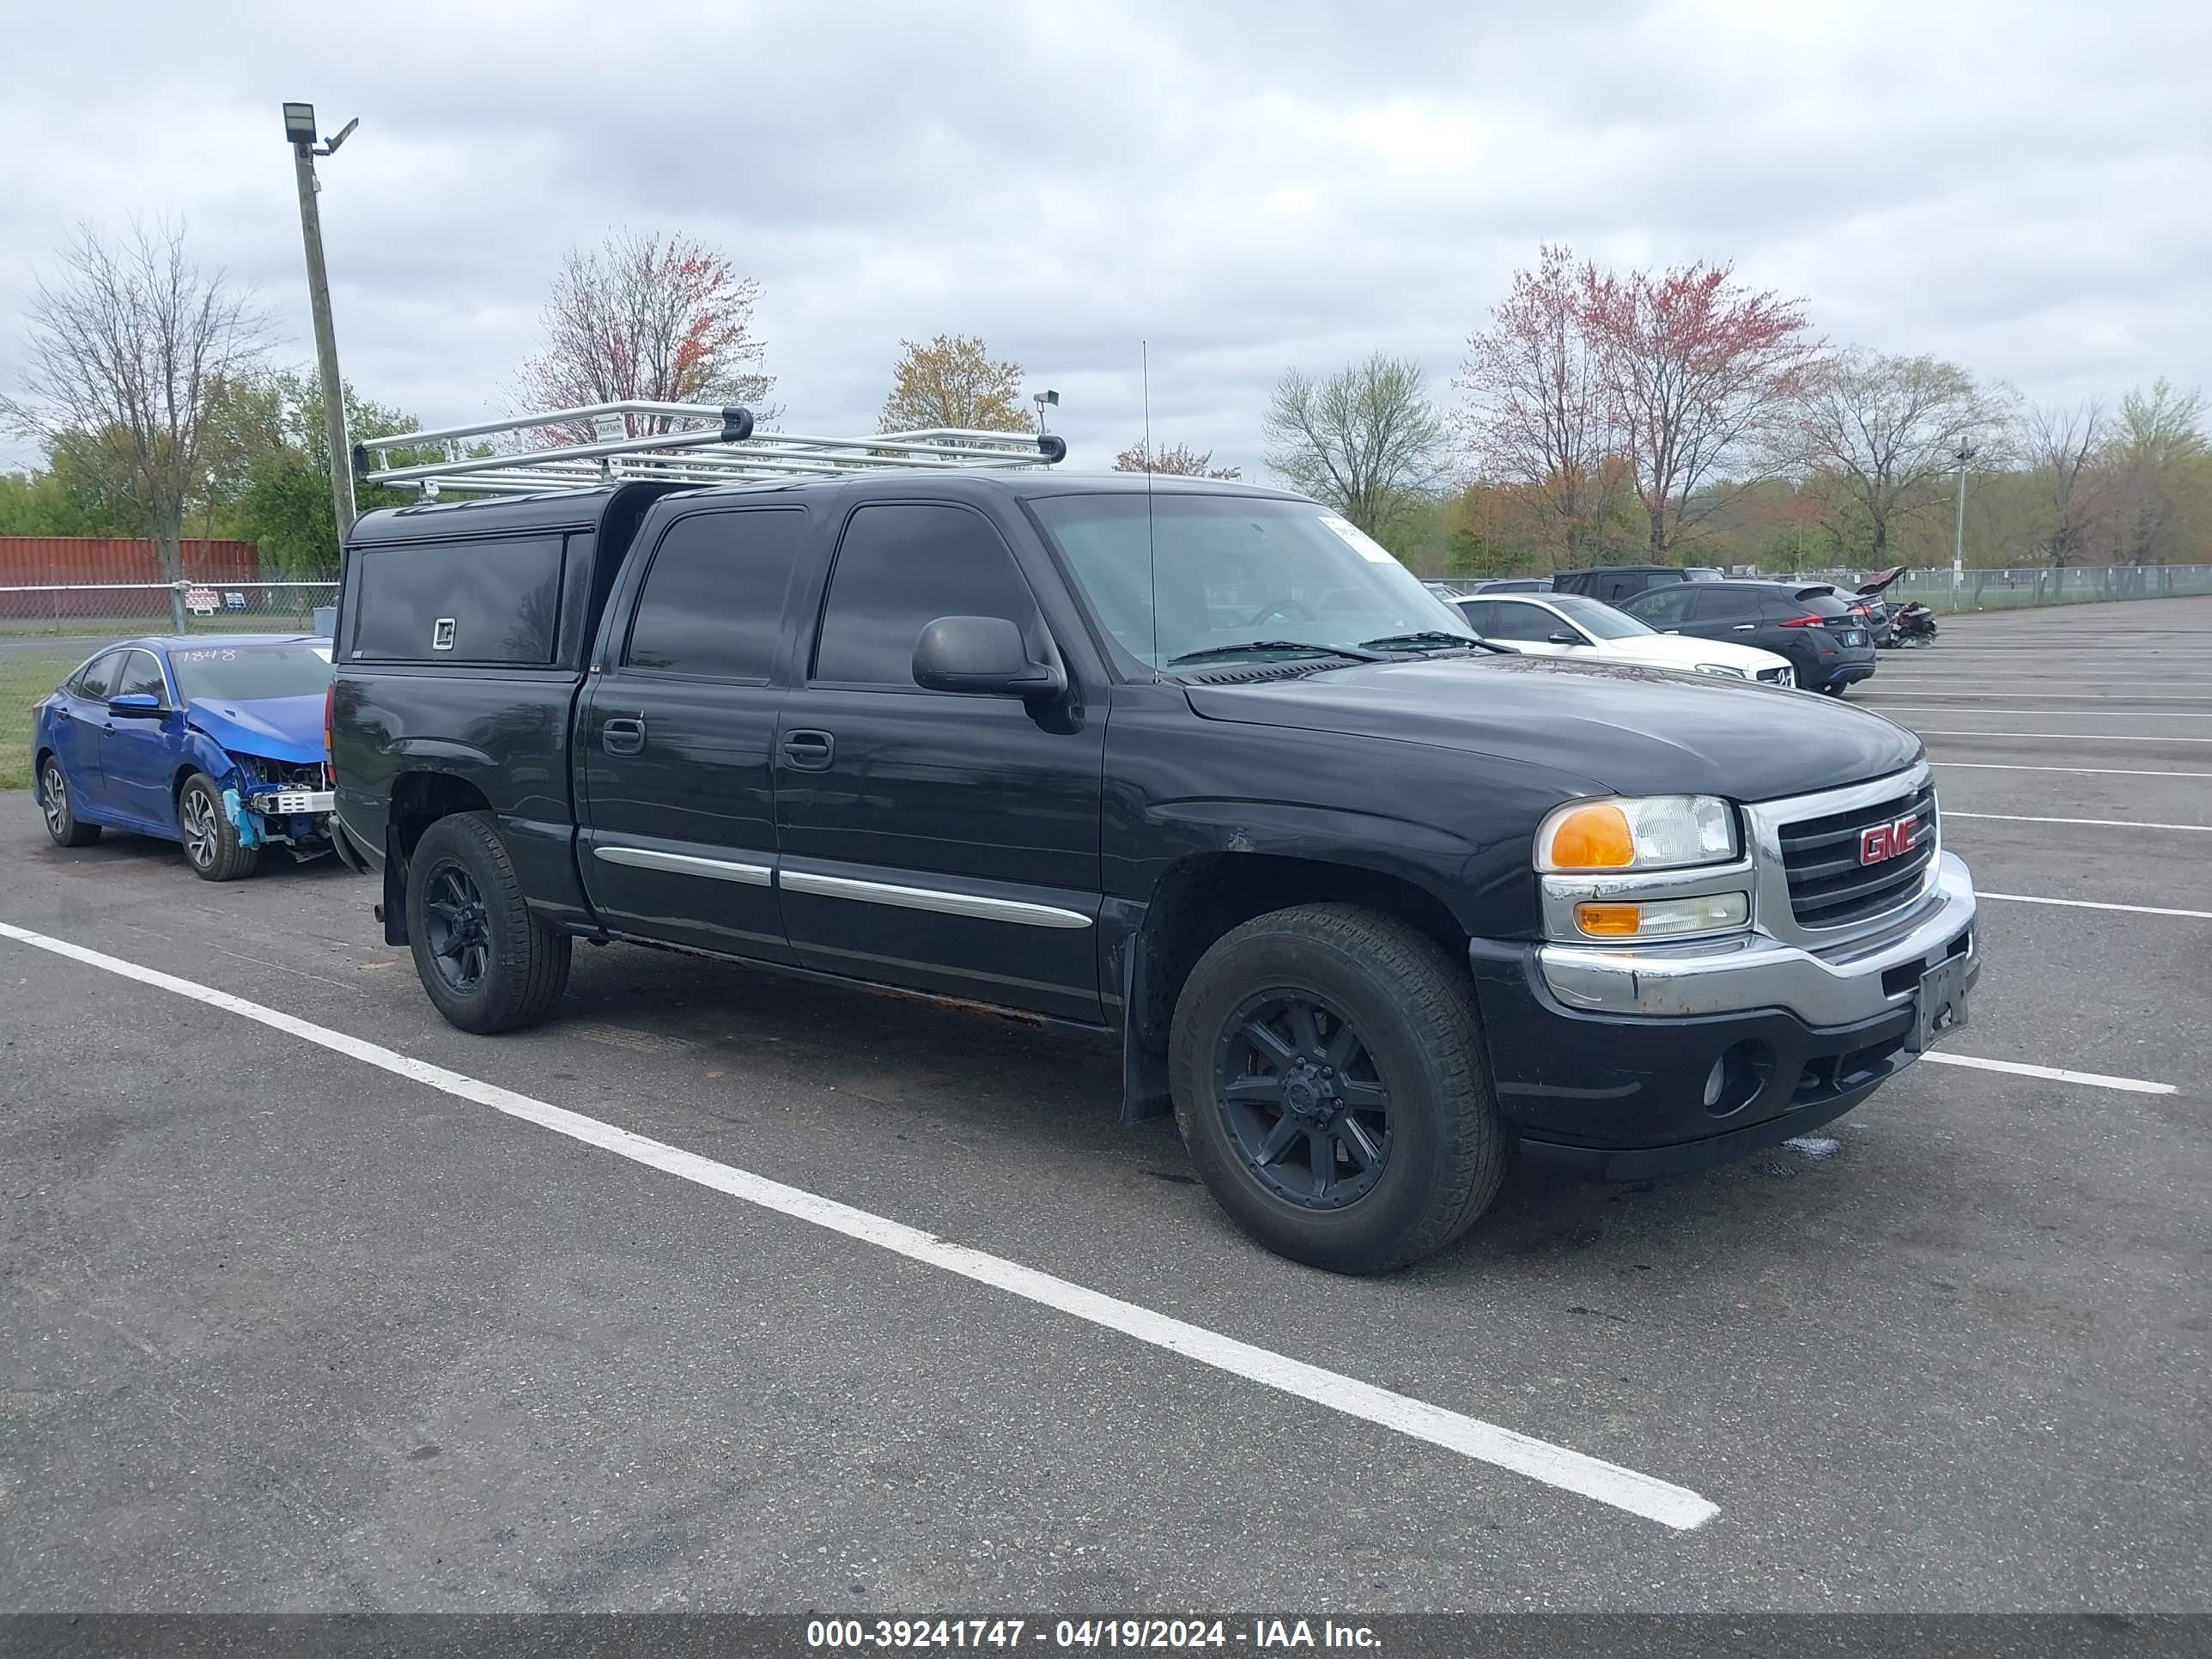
(299, 133)
(1965, 453)
(1040, 398)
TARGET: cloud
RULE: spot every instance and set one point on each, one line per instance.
(1243, 186)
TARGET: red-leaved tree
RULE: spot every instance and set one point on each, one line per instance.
(649, 319)
(1538, 416)
(1700, 374)
(1177, 460)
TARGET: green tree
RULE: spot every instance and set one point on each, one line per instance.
(270, 477)
(953, 381)
(1366, 440)
(63, 500)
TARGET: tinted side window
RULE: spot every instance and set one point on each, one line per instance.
(461, 601)
(1662, 607)
(1477, 613)
(1523, 622)
(900, 567)
(712, 603)
(141, 675)
(96, 679)
(1716, 602)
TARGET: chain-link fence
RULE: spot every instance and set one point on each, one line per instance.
(2005, 590)
(47, 629)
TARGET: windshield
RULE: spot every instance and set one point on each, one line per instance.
(1594, 617)
(241, 673)
(1172, 575)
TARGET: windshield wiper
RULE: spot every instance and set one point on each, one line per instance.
(1213, 652)
(1431, 636)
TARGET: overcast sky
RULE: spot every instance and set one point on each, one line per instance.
(2020, 186)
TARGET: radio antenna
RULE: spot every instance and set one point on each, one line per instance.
(1152, 546)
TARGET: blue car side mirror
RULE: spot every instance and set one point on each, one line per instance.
(136, 705)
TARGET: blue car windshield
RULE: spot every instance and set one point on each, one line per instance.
(243, 673)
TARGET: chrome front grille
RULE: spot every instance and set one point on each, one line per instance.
(1830, 886)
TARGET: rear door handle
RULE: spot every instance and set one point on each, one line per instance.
(1745, 628)
(809, 751)
(623, 736)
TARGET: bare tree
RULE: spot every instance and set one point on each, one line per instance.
(2161, 471)
(651, 319)
(1178, 460)
(1366, 440)
(1538, 415)
(2063, 451)
(1877, 430)
(1699, 372)
(128, 344)
(953, 381)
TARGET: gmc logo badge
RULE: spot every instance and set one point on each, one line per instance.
(1889, 841)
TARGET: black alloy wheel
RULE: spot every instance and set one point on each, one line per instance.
(1302, 1099)
(458, 927)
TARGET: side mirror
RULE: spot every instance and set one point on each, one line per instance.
(982, 655)
(135, 705)
(1565, 638)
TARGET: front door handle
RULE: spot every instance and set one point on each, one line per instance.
(623, 736)
(809, 751)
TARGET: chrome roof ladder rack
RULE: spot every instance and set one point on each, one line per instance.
(633, 440)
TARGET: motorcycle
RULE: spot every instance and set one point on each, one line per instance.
(1913, 625)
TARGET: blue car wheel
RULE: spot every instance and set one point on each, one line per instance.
(62, 820)
(211, 843)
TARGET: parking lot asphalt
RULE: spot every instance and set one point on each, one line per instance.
(287, 1331)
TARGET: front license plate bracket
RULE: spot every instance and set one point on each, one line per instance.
(1942, 1004)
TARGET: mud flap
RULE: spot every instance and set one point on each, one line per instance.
(392, 913)
(1144, 1087)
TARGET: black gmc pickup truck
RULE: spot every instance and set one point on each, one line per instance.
(1367, 902)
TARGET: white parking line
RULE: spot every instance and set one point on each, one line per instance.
(2078, 736)
(2098, 904)
(2134, 1085)
(2099, 823)
(1487, 1443)
(2077, 771)
(2037, 714)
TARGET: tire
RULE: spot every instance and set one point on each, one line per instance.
(487, 963)
(1835, 690)
(58, 807)
(1414, 1042)
(211, 843)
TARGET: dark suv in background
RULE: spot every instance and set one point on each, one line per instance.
(1812, 626)
(1616, 583)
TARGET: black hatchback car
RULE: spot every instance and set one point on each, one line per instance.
(1814, 627)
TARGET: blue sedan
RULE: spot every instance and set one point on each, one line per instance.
(213, 741)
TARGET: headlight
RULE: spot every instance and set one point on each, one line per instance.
(1722, 668)
(1662, 832)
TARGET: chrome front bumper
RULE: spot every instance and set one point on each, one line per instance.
(1836, 985)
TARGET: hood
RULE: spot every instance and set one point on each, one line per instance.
(1630, 729)
(1879, 582)
(280, 728)
(1686, 651)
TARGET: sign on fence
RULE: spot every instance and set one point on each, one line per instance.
(200, 601)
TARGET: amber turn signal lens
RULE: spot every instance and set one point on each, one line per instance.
(1609, 920)
(1594, 837)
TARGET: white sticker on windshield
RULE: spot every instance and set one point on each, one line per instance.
(1359, 540)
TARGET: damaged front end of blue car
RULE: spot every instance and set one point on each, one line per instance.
(275, 803)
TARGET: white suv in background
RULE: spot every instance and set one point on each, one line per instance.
(1570, 624)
